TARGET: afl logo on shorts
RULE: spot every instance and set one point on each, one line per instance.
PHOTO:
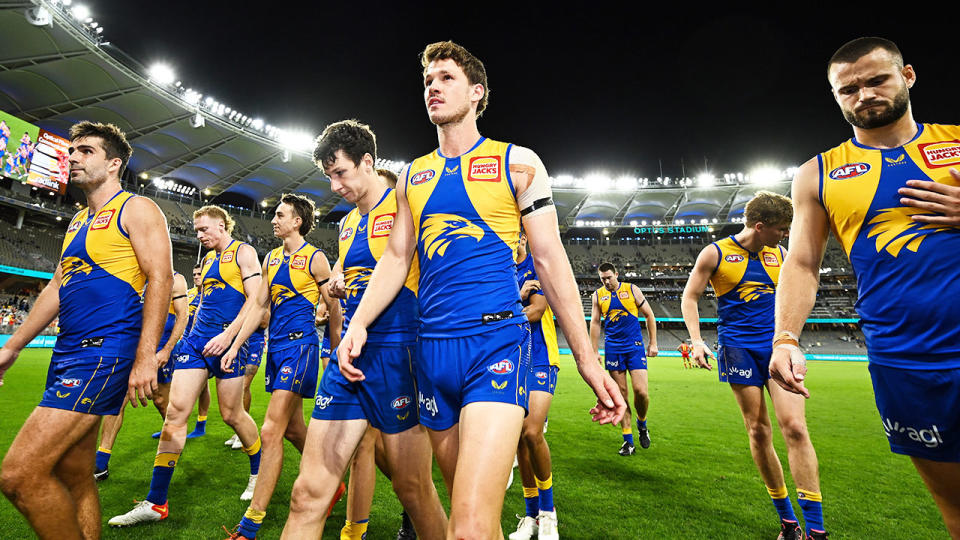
(421, 177)
(733, 258)
(502, 367)
(346, 234)
(286, 370)
(71, 383)
(401, 402)
(850, 170)
(541, 377)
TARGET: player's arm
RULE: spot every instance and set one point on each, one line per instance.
(147, 228)
(250, 274)
(595, 326)
(250, 321)
(179, 299)
(799, 278)
(647, 311)
(536, 309)
(385, 283)
(534, 199)
(703, 269)
(320, 269)
(43, 312)
(337, 287)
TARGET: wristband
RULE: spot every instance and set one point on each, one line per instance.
(786, 337)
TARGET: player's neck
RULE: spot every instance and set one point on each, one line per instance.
(375, 191)
(223, 244)
(749, 239)
(100, 195)
(522, 256)
(292, 243)
(893, 135)
(458, 138)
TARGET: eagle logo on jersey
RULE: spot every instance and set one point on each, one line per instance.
(73, 266)
(895, 230)
(355, 279)
(614, 315)
(440, 230)
(211, 285)
(751, 290)
(279, 293)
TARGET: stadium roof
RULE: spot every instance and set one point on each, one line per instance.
(55, 75)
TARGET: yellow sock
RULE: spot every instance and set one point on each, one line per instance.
(627, 430)
(354, 531)
(104, 450)
(778, 493)
(255, 516)
(253, 449)
(166, 459)
(201, 418)
(809, 495)
(545, 484)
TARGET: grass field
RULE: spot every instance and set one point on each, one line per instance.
(696, 481)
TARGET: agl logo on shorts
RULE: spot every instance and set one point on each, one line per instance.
(929, 437)
(428, 404)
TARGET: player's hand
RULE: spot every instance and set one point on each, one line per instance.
(529, 286)
(610, 406)
(653, 350)
(163, 356)
(349, 350)
(323, 314)
(7, 358)
(788, 366)
(702, 355)
(226, 361)
(935, 197)
(143, 378)
(338, 289)
(217, 345)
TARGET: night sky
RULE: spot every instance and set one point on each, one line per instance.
(608, 88)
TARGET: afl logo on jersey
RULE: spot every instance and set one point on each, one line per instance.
(850, 170)
(734, 258)
(502, 367)
(346, 234)
(382, 225)
(103, 220)
(299, 262)
(274, 261)
(421, 177)
(769, 259)
(940, 154)
(484, 169)
(401, 403)
(74, 226)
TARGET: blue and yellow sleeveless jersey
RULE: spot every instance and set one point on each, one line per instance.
(543, 332)
(294, 294)
(467, 225)
(100, 309)
(621, 314)
(363, 238)
(168, 324)
(193, 300)
(907, 277)
(745, 284)
(221, 290)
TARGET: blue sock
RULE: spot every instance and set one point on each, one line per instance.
(641, 424)
(103, 459)
(628, 437)
(201, 426)
(159, 485)
(254, 452)
(531, 499)
(250, 524)
(781, 501)
(545, 488)
(812, 507)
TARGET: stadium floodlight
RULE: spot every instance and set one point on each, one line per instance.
(563, 180)
(264, 203)
(596, 182)
(80, 12)
(161, 73)
(633, 223)
(144, 176)
(197, 121)
(626, 183)
(257, 123)
(579, 223)
(297, 140)
(681, 222)
(206, 191)
(209, 101)
(706, 179)
(765, 175)
(643, 223)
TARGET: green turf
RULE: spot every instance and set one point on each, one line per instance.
(696, 481)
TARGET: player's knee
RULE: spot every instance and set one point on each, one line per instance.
(472, 527)
(532, 434)
(794, 430)
(760, 432)
(306, 497)
(271, 434)
(13, 478)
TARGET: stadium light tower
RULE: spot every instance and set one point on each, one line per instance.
(764, 175)
(706, 179)
(162, 73)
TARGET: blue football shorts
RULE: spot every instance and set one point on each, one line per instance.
(90, 384)
(191, 357)
(626, 361)
(750, 367)
(293, 369)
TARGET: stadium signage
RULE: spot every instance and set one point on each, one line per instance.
(850, 170)
(672, 230)
(941, 154)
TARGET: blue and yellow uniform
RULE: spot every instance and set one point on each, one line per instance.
(745, 284)
(100, 313)
(386, 398)
(293, 360)
(221, 298)
(193, 302)
(907, 282)
(255, 344)
(474, 339)
(545, 355)
(165, 372)
(623, 336)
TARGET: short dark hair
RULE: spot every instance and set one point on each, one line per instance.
(351, 136)
(388, 176)
(112, 139)
(304, 208)
(853, 50)
(471, 65)
(607, 267)
(769, 208)
(197, 266)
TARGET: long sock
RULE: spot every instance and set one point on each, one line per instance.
(531, 497)
(254, 453)
(163, 466)
(545, 487)
(201, 426)
(811, 504)
(628, 434)
(103, 458)
(641, 424)
(354, 530)
(250, 524)
(781, 501)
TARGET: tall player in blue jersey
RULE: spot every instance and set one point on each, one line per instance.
(294, 274)
(385, 398)
(230, 275)
(744, 269)
(621, 305)
(107, 344)
(890, 195)
(459, 211)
